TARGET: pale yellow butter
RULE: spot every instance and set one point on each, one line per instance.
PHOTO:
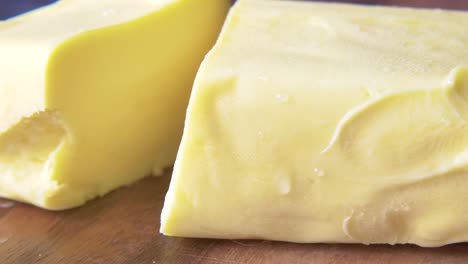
(313, 122)
(93, 93)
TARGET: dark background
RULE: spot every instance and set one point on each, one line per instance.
(10, 8)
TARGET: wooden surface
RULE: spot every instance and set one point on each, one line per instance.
(122, 227)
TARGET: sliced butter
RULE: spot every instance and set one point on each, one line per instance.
(313, 122)
(93, 93)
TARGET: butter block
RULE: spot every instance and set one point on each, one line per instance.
(93, 93)
(314, 122)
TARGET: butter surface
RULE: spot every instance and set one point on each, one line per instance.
(313, 122)
(93, 93)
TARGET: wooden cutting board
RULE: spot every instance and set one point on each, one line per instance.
(122, 227)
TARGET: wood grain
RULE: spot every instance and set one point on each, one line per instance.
(122, 227)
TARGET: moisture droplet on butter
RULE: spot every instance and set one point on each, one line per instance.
(283, 182)
(260, 135)
(263, 78)
(284, 98)
(319, 172)
(345, 226)
(108, 12)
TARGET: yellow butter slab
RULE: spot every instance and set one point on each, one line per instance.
(93, 93)
(314, 122)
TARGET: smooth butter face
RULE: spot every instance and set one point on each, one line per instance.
(318, 122)
(27, 41)
(93, 94)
